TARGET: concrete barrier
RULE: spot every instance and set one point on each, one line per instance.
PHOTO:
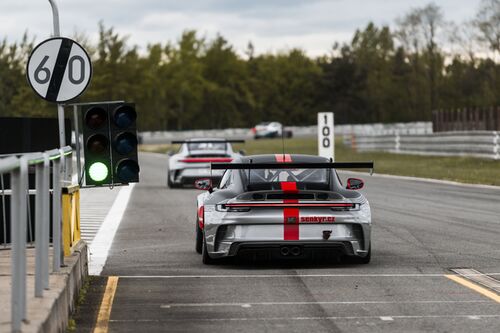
(51, 312)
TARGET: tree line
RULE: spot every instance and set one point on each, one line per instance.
(384, 74)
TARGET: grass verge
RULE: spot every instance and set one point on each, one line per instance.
(461, 169)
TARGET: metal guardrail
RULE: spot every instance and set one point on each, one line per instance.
(485, 144)
(17, 167)
(161, 137)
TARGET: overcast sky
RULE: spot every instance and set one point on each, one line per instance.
(272, 25)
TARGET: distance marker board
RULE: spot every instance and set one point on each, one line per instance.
(59, 69)
(326, 138)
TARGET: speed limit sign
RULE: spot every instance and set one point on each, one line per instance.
(326, 138)
(59, 69)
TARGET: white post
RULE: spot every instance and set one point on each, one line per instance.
(326, 137)
(56, 215)
(15, 310)
(397, 142)
(496, 145)
(39, 229)
(46, 221)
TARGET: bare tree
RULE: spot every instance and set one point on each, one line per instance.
(408, 31)
(488, 22)
(418, 31)
(464, 39)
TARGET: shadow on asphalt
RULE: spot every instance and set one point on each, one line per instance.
(239, 263)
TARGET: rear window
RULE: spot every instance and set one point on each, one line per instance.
(207, 146)
(260, 176)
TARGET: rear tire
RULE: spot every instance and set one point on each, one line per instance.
(170, 184)
(199, 238)
(366, 259)
(206, 259)
(358, 260)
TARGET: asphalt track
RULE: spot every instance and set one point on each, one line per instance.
(421, 231)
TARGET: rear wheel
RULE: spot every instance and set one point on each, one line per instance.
(206, 259)
(199, 238)
(366, 259)
(169, 182)
(358, 260)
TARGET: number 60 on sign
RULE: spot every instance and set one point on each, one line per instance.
(59, 69)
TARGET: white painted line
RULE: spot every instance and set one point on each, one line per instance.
(101, 244)
(385, 318)
(474, 317)
(273, 276)
(303, 318)
(247, 305)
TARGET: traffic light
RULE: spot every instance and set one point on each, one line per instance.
(96, 144)
(110, 143)
(124, 143)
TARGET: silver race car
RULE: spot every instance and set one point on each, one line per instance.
(279, 206)
(193, 159)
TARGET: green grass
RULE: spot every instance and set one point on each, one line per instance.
(460, 169)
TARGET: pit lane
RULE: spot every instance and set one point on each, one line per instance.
(421, 230)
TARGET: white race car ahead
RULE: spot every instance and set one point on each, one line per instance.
(193, 159)
(270, 130)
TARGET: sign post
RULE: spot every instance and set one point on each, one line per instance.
(326, 137)
(59, 70)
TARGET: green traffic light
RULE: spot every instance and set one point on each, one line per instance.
(98, 171)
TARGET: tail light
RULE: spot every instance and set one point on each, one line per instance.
(292, 204)
(254, 130)
(231, 209)
(201, 217)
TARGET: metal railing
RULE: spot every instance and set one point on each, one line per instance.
(17, 167)
(485, 144)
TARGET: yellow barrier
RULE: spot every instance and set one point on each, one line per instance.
(70, 217)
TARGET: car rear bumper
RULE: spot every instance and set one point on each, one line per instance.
(290, 250)
(221, 244)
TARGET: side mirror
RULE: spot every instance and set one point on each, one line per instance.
(204, 184)
(242, 152)
(170, 152)
(355, 184)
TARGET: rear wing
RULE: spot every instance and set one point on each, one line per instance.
(292, 165)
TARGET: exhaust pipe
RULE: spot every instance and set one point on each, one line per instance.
(285, 251)
(295, 251)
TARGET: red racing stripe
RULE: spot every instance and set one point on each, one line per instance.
(290, 215)
(283, 158)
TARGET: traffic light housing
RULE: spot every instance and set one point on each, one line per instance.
(110, 143)
(124, 143)
(96, 144)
